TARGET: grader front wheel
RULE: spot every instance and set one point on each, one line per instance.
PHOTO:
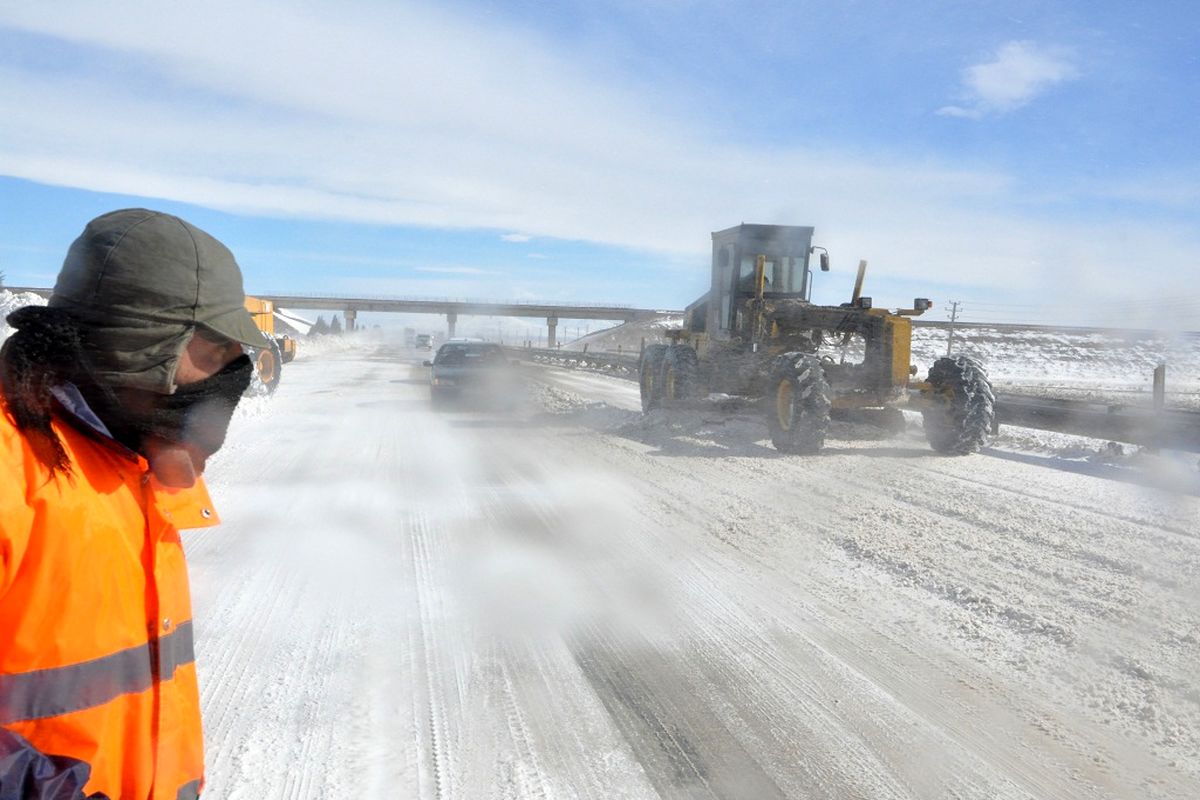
(268, 363)
(965, 406)
(798, 405)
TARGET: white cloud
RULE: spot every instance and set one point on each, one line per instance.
(409, 115)
(456, 270)
(959, 111)
(1019, 72)
(516, 237)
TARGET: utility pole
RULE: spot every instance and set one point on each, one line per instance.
(954, 304)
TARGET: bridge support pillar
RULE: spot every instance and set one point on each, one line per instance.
(451, 322)
(351, 315)
(551, 328)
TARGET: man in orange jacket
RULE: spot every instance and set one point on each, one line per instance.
(113, 396)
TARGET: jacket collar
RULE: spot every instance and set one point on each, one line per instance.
(71, 399)
(186, 508)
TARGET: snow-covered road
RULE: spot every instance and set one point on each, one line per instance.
(582, 603)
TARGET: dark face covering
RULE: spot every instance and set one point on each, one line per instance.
(197, 414)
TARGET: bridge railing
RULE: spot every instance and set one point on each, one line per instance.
(455, 300)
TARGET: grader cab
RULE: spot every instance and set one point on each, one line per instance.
(756, 334)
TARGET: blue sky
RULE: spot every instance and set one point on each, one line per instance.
(1036, 160)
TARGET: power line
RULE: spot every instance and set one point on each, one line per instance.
(1185, 301)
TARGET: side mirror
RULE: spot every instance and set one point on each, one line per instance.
(864, 303)
(824, 262)
(922, 304)
(426, 363)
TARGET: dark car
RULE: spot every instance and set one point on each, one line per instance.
(476, 373)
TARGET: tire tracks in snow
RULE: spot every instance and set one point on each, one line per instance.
(807, 473)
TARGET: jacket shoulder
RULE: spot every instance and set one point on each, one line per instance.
(16, 518)
(13, 447)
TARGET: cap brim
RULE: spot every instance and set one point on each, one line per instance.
(237, 325)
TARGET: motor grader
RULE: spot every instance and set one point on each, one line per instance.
(756, 334)
(276, 351)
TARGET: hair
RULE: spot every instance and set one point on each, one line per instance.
(47, 349)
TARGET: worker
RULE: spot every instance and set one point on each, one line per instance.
(113, 397)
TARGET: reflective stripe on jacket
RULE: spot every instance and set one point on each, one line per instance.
(96, 657)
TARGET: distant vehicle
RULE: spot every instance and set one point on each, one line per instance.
(276, 351)
(474, 373)
(423, 341)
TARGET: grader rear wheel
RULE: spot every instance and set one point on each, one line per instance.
(650, 376)
(680, 374)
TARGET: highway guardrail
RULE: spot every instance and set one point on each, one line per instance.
(622, 365)
(1166, 428)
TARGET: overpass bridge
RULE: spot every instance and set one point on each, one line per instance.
(350, 307)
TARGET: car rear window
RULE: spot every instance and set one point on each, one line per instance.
(468, 354)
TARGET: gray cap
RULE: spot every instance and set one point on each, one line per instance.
(141, 281)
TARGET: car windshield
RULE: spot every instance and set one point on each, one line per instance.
(456, 355)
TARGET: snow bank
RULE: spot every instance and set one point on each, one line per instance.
(627, 337)
(10, 302)
(318, 346)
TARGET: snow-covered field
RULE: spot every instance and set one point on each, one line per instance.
(1103, 367)
(578, 601)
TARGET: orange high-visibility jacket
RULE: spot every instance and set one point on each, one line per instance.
(97, 668)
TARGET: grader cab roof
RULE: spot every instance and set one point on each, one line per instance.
(785, 250)
(768, 240)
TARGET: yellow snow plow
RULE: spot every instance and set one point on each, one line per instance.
(277, 350)
(756, 334)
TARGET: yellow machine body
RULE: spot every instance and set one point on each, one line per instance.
(758, 308)
(277, 350)
(263, 314)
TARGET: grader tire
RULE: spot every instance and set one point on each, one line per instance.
(798, 405)
(961, 423)
(680, 374)
(268, 363)
(650, 376)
